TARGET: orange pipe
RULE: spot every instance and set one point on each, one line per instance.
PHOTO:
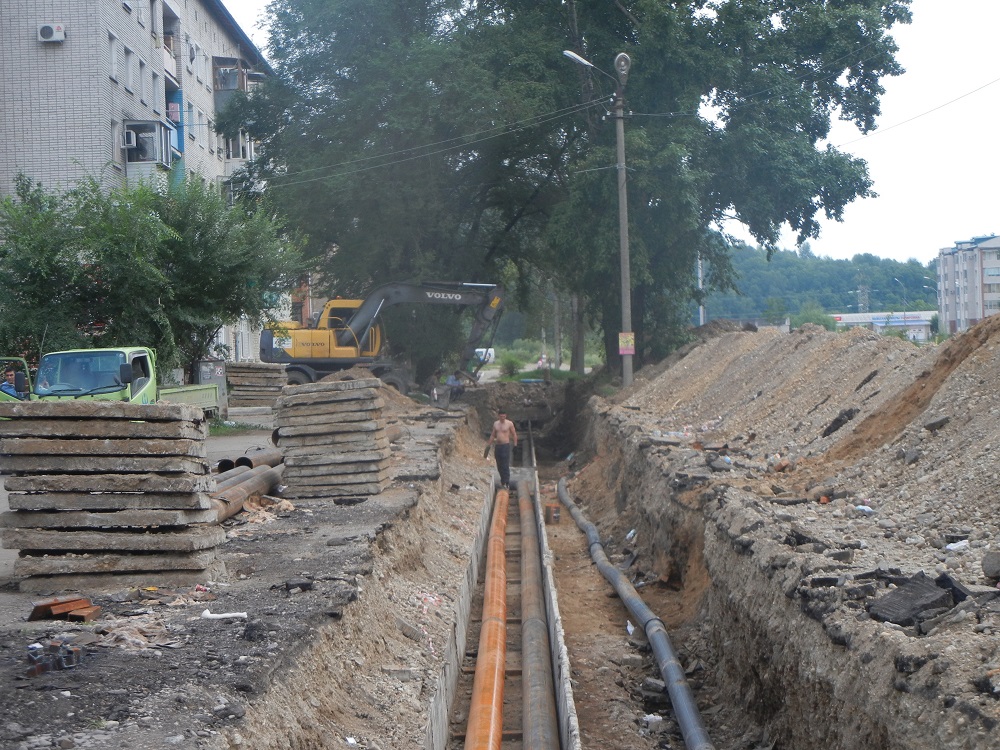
(485, 728)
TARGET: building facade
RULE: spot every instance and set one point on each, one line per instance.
(968, 283)
(914, 324)
(120, 90)
(124, 91)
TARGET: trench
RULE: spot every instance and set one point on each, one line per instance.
(763, 672)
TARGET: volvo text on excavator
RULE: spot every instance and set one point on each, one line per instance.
(348, 332)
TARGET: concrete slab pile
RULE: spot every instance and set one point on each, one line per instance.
(106, 494)
(333, 438)
(254, 383)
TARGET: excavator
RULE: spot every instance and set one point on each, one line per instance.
(348, 332)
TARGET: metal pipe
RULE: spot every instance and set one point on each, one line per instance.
(539, 722)
(230, 501)
(681, 697)
(225, 465)
(271, 457)
(233, 471)
(245, 472)
(485, 729)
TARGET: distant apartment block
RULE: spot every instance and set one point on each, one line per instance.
(120, 90)
(968, 283)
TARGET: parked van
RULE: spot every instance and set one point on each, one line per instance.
(486, 356)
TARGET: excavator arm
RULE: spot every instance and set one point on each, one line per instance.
(488, 297)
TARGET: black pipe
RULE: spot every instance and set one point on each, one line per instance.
(681, 697)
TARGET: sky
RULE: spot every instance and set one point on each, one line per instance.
(935, 156)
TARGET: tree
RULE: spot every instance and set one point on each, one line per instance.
(775, 311)
(443, 139)
(84, 268)
(812, 312)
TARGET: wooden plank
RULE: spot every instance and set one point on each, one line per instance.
(145, 482)
(185, 540)
(64, 607)
(42, 610)
(306, 419)
(331, 428)
(294, 398)
(111, 447)
(80, 519)
(109, 501)
(86, 614)
(102, 428)
(76, 409)
(32, 565)
(90, 464)
(310, 444)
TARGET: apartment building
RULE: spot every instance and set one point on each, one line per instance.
(968, 283)
(120, 90)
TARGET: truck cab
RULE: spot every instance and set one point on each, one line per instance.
(126, 374)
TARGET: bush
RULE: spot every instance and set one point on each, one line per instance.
(510, 365)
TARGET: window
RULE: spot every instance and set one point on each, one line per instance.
(157, 92)
(112, 56)
(129, 63)
(211, 137)
(142, 81)
(991, 271)
(189, 122)
(152, 143)
(202, 132)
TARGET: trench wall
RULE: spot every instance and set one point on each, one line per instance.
(840, 681)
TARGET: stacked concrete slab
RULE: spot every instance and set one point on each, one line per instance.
(333, 439)
(254, 383)
(105, 493)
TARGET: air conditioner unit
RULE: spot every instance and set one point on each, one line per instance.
(128, 139)
(51, 32)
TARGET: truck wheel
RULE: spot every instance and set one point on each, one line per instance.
(298, 378)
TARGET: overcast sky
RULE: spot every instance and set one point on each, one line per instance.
(934, 158)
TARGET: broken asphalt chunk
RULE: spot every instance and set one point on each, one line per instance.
(903, 605)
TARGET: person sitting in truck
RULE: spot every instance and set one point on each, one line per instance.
(7, 386)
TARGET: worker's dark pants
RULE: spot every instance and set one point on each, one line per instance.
(502, 453)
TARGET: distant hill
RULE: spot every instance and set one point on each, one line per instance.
(793, 280)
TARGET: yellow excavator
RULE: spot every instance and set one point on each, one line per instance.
(348, 332)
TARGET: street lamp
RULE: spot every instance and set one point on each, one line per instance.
(626, 339)
(904, 291)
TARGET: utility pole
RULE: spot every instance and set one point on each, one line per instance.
(626, 340)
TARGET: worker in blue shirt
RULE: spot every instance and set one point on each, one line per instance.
(7, 386)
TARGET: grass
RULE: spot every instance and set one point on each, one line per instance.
(562, 375)
(224, 428)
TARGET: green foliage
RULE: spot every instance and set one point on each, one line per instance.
(790, 280)
(510, 366)
(812, 312)
(134, 266)
(443, 139)
(775, 311)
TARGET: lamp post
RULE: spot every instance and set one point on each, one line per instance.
(904, 291)
(626, 339)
